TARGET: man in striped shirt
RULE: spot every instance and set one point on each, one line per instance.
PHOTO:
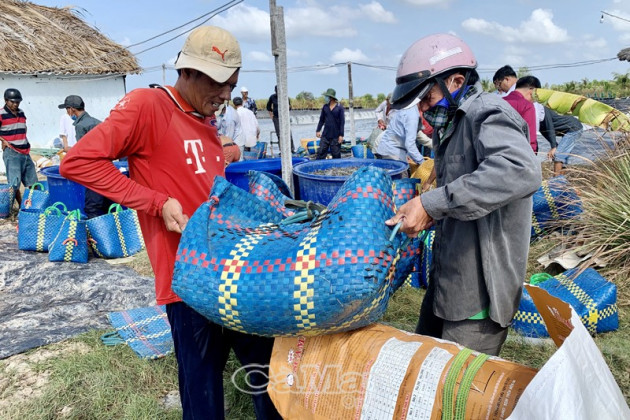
(16, 149)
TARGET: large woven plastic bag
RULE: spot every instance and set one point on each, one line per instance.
(241, 268)
(592, 296)
(555, 200)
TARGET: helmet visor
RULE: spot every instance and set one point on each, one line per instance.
(405, 93)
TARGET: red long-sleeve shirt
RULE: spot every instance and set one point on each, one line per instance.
(172, 151)
(526, 109)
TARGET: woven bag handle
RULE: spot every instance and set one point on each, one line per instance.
(538, 278)
(55, 208)
(114, 208)
(74, 214)
(41, 186)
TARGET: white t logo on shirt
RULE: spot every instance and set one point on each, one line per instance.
(196, 147)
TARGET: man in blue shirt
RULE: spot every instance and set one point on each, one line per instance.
(332, 119)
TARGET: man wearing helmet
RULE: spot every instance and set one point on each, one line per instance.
(486, 174)
(15, 146)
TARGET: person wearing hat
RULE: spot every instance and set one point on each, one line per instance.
(95, 204)
(174, 155)
(482, 205)
(248, 103)
(82, 121)
(19, 166)
(249, 125)
(332, 118)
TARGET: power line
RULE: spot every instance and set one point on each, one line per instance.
(319, 67)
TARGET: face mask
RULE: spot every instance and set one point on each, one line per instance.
(74, 117)
(326, 100)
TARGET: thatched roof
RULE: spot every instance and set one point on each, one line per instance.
(624, 55)
(37, 39)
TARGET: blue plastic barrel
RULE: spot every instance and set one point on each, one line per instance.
(322, 188)
(361, 151)
(236, 172)
(61, 189)
(69, 192)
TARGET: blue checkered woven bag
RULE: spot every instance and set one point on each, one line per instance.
(34, 198)
(70, 244)
(555, 200)
(272, 189)
(6, 199)
(422, 269)
(37, 229)
(146, 330)
(404, 190)
(116, 234)
(592, 296)
(241, 267)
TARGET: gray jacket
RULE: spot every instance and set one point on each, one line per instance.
(486, 174)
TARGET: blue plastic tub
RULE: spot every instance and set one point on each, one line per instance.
(236, 172)
(322, 188)
(69, 192)
(61, 189)
(362, 152)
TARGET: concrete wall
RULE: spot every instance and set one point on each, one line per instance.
(42, 94)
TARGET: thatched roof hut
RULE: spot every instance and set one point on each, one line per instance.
(38, 39)
(624, 55)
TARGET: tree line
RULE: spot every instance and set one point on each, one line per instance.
(617, 87)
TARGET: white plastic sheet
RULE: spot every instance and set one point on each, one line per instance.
(575, 383)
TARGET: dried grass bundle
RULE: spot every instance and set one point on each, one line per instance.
(604, 226)
(40, 39)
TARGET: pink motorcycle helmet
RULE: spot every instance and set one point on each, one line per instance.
(425, 59)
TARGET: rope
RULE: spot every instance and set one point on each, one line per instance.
(465, 384)
(451, 380)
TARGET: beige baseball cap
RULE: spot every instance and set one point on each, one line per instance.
(212, 51)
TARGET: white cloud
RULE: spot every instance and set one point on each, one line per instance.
(347, 54)
(313, 21)
(259, 56)
(539, 29)
(246, 23)
(595, 44)
(377, 13)
(620, 25)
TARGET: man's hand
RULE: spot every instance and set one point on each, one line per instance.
(415, 219)
(318, 134)
(381, 124)
(551, 153)
(340, 139)
(5, 144)
(174, 218)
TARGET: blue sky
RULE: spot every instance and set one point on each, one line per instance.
(374, 33)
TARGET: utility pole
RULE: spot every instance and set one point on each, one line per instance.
(163, 74)
(279, 51)
(353, 138)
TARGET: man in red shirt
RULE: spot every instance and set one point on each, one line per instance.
(522, 100)
(174, 155)
(18, 164)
